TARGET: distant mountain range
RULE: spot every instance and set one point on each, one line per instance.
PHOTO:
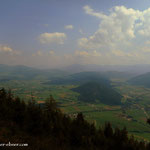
(130, 69)
(109, 71)
(27, 73)
(94, 80)
(81, 78)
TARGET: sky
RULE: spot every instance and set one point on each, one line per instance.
(57, 33)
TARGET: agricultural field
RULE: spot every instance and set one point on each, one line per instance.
(132, 114)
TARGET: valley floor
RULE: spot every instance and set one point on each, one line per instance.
(132, 114)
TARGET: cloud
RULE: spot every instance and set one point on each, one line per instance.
(56, 37)
(118, 53)
(88, 10)
(122, 37)
(122, 33)
(144, 25)
(87, 54)
(10, 56)
(82, 53)
(5, 48)
(40, 53)
(115, 29)
(69, 27)
(126, 54)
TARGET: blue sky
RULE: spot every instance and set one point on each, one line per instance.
(55, 33)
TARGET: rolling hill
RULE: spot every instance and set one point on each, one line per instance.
(96, 92)
(21, 72)
(141, 80)
(81, 78)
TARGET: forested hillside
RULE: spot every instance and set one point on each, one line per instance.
(142, 80)
(81, 78)
(46, 127)
(97, 92)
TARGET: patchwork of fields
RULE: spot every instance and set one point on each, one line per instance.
(133, 112)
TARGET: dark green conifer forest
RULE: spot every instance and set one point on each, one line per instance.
(47, 128)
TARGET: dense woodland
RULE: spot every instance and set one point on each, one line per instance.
(47, 128)
(97, 92)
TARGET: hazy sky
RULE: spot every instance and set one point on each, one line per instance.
(52, 33)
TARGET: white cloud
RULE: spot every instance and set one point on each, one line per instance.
(115, 29)
(56, 37)
(123, 32)
(10, 56)
(5, 48)
(144, 25)
(118, 53)
(126, 54)
(87, 54)
(88, 10)
(40, 53)
(69, 27)
(8, 50)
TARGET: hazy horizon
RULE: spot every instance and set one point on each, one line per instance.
(55, 33)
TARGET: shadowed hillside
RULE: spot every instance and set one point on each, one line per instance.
(142, 80)
(81, 78)
(97, 92)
